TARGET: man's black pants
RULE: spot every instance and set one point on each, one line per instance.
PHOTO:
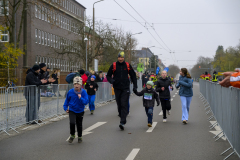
(166, 105)
(122, 98)
(76, 119)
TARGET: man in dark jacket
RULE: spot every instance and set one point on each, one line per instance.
(121, 85)
(31, 95)
(162, 87)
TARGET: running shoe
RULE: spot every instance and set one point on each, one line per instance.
(121, 126)
(92, 112)
(169, 112)
(149, 125)
(164, 120)
(70, 140)
(184, 122)
(79, 139)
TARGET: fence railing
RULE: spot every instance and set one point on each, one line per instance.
(224, 104)
(22, 105)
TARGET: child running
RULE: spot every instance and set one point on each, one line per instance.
(149, 97)
(74, 104)
(91, 87)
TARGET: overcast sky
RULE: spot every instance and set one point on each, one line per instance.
(183, 25)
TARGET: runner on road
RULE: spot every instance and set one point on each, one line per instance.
(149, 97)
(185, 92)
(163, 85)
(121, 85)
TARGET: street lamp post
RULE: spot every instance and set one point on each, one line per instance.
(93, 35)
(130, 58)
(86, 40)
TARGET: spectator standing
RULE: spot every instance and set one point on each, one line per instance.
(31, 95)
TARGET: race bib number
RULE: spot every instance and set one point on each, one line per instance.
(148, 96)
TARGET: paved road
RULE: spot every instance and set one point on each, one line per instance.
(169, 141)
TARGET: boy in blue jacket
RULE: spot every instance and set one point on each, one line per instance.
(75, 102)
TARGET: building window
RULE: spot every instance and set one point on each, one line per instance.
(61, 22)
(42, 38)
(42, 10)
(45, 38)
(48, 39)
(63, 3)
(45, 14)
(56, 41)
(36, 11)
(36, 36)
(39, 12)
(39, 36)
(56, 19)
(51, 16)
(59, 42)
(36, 60)
(51, 41)
(53, 21)
(48, 12)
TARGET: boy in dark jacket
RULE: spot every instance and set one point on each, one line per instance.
(162, 87)
(74, 104)
(91, 87)
(149, 97)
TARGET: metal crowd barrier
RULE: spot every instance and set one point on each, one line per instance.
(224, 104)
(23, 105)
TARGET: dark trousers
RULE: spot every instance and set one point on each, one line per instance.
(166, 105)
(149, 112)
(122, 98)
(76, 119)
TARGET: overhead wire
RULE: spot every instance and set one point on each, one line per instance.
(140, 24)
(151, 27)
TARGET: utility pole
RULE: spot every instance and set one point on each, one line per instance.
(25, 63)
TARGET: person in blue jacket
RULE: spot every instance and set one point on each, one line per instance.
(75, 102)
(185, 92)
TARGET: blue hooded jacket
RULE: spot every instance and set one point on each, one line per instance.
(185, 85)
(75, 104)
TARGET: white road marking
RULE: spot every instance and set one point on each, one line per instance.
(152, 128)
(218, 130)
(172, 99)
(161, 113)
(87, 131)
(173, 95)
(133, 154)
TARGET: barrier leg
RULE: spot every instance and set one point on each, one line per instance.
(226, 150)
(214, 126)
(229, 155)
(210, 117)
(209, 111)
(218, 134)
(219, 138)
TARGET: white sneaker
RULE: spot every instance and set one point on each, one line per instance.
(169, 112)
(164, 120)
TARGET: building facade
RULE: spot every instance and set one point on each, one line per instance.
(52, 29)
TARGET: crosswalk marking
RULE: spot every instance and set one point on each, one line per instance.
(172, 99)
(133, 154)
(173, 95)
(152, 128)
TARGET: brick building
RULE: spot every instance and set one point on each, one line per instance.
(52, 28)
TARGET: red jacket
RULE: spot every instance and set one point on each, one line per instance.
(84, 79)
